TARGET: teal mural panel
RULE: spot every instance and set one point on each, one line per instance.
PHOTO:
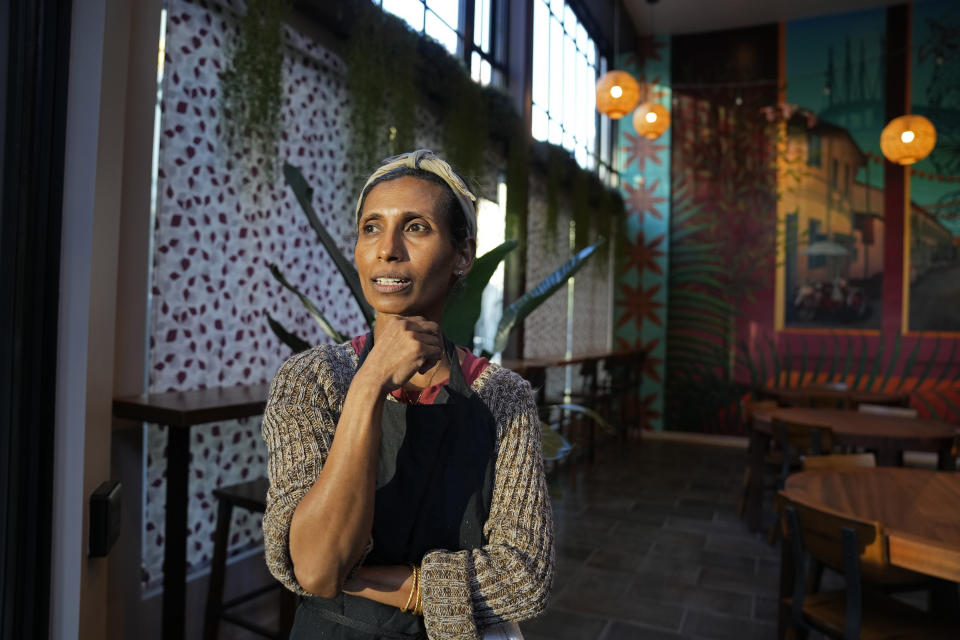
(934, 216)
(641, 296)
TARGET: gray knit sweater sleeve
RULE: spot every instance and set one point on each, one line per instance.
(463, 591)
(303, 408)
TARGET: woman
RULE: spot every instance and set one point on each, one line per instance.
(407, 496)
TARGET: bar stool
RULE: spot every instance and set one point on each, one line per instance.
(252, 497)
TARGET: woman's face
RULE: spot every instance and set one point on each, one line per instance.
(404, 254)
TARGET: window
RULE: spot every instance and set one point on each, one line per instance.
(566, 64)
(445, 22)
(813, 150)
(488, 58)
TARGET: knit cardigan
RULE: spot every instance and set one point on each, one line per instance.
(509, 578)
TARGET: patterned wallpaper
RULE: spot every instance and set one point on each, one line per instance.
(217, 229)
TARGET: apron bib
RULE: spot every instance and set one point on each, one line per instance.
(434, 485)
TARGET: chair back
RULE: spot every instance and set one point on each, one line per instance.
(840, 461)
(887, 410)
(821, 536)
(748, 408)
(802, 438)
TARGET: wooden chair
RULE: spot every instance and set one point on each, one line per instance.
(252, 497)
(797, 441)
(857, 549)
(839, 461)
(773, 456)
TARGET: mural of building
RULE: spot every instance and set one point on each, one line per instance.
(833, 222)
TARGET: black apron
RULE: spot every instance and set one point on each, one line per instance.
(434, 484)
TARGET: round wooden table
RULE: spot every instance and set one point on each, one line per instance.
(888, 436)
(802, 396)
(917, 508)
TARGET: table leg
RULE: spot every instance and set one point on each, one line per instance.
(888, 456)
(945, 460)
(175, 534)
(759, 443)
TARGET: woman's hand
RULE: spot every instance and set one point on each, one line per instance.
(404, 346)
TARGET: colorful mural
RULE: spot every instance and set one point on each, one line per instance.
(645, 184)
(831, 204)
(933, 224)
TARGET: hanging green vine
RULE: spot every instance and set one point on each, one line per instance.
(382, 60)
(252, 83)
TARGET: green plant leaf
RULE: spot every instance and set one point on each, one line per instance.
(304, 195)
(461, 312)
(587, 411)
(295, 342)
(311, 308)
(553, 445)
(529, 301)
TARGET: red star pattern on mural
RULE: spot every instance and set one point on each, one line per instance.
(650, 364)
(640, 149)
(647, 413)
(643, 255)
(641, 201)
(638, 304)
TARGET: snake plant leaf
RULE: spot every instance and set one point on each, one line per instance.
(587, 411)
(532, 299)
(304, 195)
(295, 342)
(461, 312)
(309, 306)
(553, 445)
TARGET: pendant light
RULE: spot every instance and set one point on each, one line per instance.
(908, 139)
(617, 92)
(650, 119)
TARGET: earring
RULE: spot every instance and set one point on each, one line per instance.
(460, 273)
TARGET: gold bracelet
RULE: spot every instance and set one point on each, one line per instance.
(413, 589)
(418, 606)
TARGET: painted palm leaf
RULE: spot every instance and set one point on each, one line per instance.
(553, 445)
(462, 311)
(304, 195)
(529, 301)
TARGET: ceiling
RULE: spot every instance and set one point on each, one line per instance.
(692, 16)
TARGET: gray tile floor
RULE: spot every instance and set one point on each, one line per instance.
(650, 546)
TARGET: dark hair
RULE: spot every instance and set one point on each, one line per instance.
(450, 204)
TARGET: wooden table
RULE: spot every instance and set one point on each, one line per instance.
(917, 508)
(179, 411)
(888, 436)
(802, 396)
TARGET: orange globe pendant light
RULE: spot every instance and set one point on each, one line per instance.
(617, 94)
(908, 139)
(651, 119)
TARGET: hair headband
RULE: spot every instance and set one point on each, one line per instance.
(427, 160)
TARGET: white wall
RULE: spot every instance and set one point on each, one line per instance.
(98, 164)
